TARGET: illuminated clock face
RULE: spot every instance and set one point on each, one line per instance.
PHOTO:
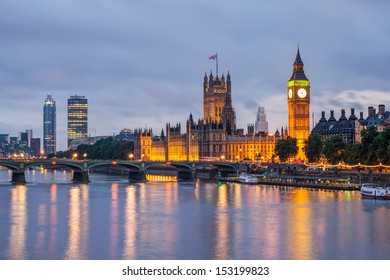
(290, 93)
(302, 93)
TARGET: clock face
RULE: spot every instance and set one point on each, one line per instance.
(290, 93)
(302, 93)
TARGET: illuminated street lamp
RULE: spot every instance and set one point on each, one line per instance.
(75, 155)
(222, 158)
(85, 156)
(131, 156)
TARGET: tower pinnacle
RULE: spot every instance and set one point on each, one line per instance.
(298, 71)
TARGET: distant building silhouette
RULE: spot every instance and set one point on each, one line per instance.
(350, 128)
(261, 124)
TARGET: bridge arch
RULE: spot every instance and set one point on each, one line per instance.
(115, 163)
(10, 166)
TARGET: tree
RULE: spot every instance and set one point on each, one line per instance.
(313, 147)
(286, 148)
(353, 154)
(368, 136)
(379, 147)
(334, 149)
(103, 149)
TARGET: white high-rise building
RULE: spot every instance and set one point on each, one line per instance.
(261, 124)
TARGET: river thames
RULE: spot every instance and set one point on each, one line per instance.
(110, 218)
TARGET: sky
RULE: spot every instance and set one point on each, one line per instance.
(141, 63)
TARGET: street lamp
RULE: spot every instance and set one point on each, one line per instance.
(85, 156)
(131, 156)
(75, 155)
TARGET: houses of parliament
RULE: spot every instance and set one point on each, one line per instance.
(216, 137)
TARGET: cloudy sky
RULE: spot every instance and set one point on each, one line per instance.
(142, 62)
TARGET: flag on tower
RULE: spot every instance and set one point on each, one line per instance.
(213, 56)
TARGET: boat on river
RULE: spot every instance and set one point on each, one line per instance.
(248, 179)
(373, 190)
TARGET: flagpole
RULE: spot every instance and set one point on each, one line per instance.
(217, 62)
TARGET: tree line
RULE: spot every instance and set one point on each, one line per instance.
(107, 148)
(373, 149)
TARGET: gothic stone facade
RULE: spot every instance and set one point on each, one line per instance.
(215, 137)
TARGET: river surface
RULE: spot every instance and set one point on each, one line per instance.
(110, 218)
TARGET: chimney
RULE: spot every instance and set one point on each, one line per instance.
(342, 118)
(332, 118)
(381, 109)
(352, 117)
(361, 117)
(371, 111)
(323, 119)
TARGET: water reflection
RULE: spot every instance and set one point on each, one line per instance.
(114, 220)
(53, 220)
(47, 232)
(222, 223)
(130, 224)
(114, 231)
(299, 233)
(18, 227)
(78, 219)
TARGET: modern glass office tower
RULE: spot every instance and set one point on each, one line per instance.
(49, 125)
(77, 118)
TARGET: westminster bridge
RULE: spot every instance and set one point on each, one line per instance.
(137, 170)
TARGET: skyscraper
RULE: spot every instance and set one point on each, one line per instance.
(261, 124)
(77, 117)
(49, 125)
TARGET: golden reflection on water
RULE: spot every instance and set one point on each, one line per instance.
(300, 234)
(18, 217)
(114, 231)
(78, 219)
(170, 231)
(53, 219)
(130, 224)
(222, 237)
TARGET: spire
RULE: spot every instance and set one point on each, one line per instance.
(298, 59)
(298, 72)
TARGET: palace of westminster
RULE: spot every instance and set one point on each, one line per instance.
(216, 137)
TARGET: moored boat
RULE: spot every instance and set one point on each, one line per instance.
(248, 179)
(373, 190)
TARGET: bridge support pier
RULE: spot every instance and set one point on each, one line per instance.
(18, 177)
(137, 176)
(80, 176)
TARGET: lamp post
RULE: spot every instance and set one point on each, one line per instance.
(131, 156)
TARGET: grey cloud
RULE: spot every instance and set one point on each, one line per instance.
(143, 61)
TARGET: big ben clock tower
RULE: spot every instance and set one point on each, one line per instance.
(298, 98)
